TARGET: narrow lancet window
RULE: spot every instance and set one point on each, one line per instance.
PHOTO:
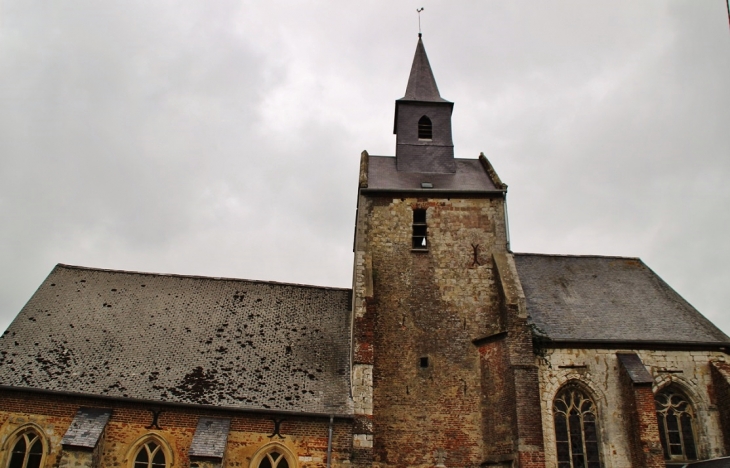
(419, 230)
(674, 415)
(425, 130)
(575, 429)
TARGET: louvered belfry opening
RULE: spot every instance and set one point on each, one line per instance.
(425, 130)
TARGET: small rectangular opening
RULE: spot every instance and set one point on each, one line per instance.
(419, 216)
(423, 362)
(419, 229)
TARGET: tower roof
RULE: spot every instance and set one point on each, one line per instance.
(421, 83)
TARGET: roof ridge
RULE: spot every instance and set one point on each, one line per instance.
(577, 256)
(218, 278)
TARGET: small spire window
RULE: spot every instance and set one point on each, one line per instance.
(425, 129)
(419, 230)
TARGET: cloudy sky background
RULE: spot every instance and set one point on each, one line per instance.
(222, 138)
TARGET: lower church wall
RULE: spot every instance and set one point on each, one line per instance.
(598, 372)
(303, 438)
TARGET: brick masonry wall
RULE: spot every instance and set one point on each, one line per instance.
(498, 402)
(642, 430)
(600, 372)
(305, 437)
(429, 305)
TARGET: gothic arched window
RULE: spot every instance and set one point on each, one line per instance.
(674, 415)
(575, 429)
(425, 130)
(27, 451)
(273, 459)
(273, 455)
(150, 455)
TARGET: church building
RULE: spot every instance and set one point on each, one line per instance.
(449, 350)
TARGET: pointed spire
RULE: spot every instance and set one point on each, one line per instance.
(421, 83)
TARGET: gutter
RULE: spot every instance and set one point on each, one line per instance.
(329, 443)
(632, 344)
(177, 404)
(434, 190)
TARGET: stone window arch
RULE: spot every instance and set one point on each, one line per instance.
(26, 449)
(425, 128)
(675, 417)
(273, 455)
(576, 428)
(150, 451)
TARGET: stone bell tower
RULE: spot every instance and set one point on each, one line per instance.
(441, 346)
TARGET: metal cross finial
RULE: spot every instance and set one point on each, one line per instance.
(419, 20)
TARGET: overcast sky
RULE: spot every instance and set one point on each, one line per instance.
(223, 138)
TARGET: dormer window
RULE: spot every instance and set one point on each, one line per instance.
(425, 130)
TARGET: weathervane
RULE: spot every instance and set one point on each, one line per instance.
(419, 20)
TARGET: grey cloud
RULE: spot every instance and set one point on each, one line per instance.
(223, 138)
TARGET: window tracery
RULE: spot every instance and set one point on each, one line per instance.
(576, 433)
(675, 416)
(273, 455)
(273, 459)
(27, 451)
(150, 455)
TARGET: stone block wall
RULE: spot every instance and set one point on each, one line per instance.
(420, 317)
(599, 371)
(305, 437)
(76, 459)
(721, 392)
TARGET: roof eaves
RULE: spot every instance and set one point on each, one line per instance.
(553, 343)
(225, 408)
(437, 191)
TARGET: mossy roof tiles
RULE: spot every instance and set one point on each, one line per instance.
(183, 339)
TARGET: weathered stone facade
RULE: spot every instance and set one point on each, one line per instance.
(599, 371)
(428, 307)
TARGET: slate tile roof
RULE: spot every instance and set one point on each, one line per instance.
(86, 428)
(723, 462)
(184, 339)
(421, 82)
(470, 176)
(210, 438)
(635, 368)
(579, 298)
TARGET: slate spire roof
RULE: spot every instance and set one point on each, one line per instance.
(421, 82)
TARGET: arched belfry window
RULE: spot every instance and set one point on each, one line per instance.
(150, 455)
(576, 434)
(675, 417)
(27, 451)
(425, 129)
